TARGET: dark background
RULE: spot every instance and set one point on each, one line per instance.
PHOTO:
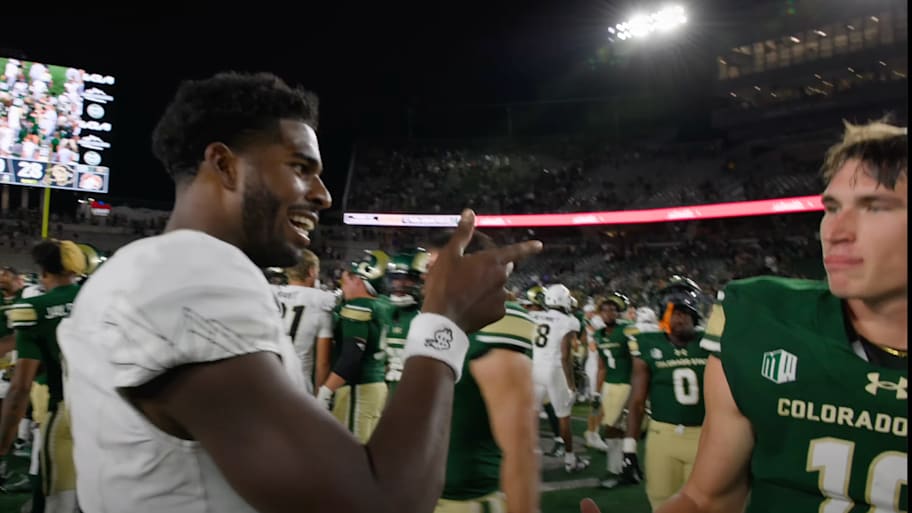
(369, 65)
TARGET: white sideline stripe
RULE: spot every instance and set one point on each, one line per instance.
(554, 486)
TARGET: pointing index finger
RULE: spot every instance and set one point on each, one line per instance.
(516, 252)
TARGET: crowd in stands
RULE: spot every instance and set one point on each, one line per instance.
(563, 175)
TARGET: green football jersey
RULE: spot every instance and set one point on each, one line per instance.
(614, 351)
(676, 376)
(830, 428)
(361, 318)
(35, 320)
(473, 460)
(392, 339)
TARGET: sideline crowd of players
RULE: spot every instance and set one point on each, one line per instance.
(34, 123)
(641, 367)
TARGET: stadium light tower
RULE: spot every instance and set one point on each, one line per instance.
(638, 26)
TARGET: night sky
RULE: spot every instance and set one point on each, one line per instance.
(356, 59)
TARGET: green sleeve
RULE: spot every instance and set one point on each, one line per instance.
(514, 332)
(356, 320)
(27, 341)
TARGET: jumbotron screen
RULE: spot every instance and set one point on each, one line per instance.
(54, 126)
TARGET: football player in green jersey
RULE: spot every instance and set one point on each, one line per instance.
(668, 371)
(806, 394)
(405, 274)
(357, 377)
(493, 460)
(35, 321)
(11, 285)
(614, 368)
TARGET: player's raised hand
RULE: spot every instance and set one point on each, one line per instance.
(469, 289)
(588, 506)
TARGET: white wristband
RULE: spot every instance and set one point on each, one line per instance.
(324, 396)
(629, 445)
(437, 337)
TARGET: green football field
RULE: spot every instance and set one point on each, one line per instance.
(561, 492)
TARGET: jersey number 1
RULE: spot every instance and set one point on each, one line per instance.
(832, 458)
(296, 321)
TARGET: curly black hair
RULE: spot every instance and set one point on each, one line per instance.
(236, 109)
(48, 256)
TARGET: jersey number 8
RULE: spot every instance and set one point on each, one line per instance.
(542, 339)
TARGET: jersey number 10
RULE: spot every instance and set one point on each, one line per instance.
(832, 457)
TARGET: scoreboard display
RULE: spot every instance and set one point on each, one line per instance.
(55, 126)
(72, 177)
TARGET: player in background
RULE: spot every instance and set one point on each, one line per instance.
(646, 319)
(668, 371)
(614, 371)
(14, 289)
(806, 391)
(552, 364)
(493, 462)
(592, 323)
(580, 348)
(307, 312)
(405, 275)
(35, 322)
(359, 367)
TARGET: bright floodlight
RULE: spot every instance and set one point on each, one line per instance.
(642, 25)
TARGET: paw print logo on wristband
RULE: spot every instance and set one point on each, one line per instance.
(443, 339)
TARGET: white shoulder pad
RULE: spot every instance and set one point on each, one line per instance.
(323, 299)
(32, 291)
(180, 298)
(573, 323)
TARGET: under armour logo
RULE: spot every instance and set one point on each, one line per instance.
(443, 339)
(876, 384)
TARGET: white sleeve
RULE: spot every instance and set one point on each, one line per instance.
(325, 325)
(327, 301)
(194, 326)
(194, 316)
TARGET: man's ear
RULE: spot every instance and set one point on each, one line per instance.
(224, 163)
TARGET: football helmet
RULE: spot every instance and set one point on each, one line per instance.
(558, 297)
(412, 265)
(276, 275)
(536, 295)
(93, 257)
(371, 268)
(681, 293)
(619, 300)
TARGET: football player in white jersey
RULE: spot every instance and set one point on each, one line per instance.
(552, 363)
(184, 392)
(594, 323)
(307, 312)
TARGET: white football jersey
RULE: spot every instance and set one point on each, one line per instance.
(161, 302)
(307, 313)
(553, 326)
